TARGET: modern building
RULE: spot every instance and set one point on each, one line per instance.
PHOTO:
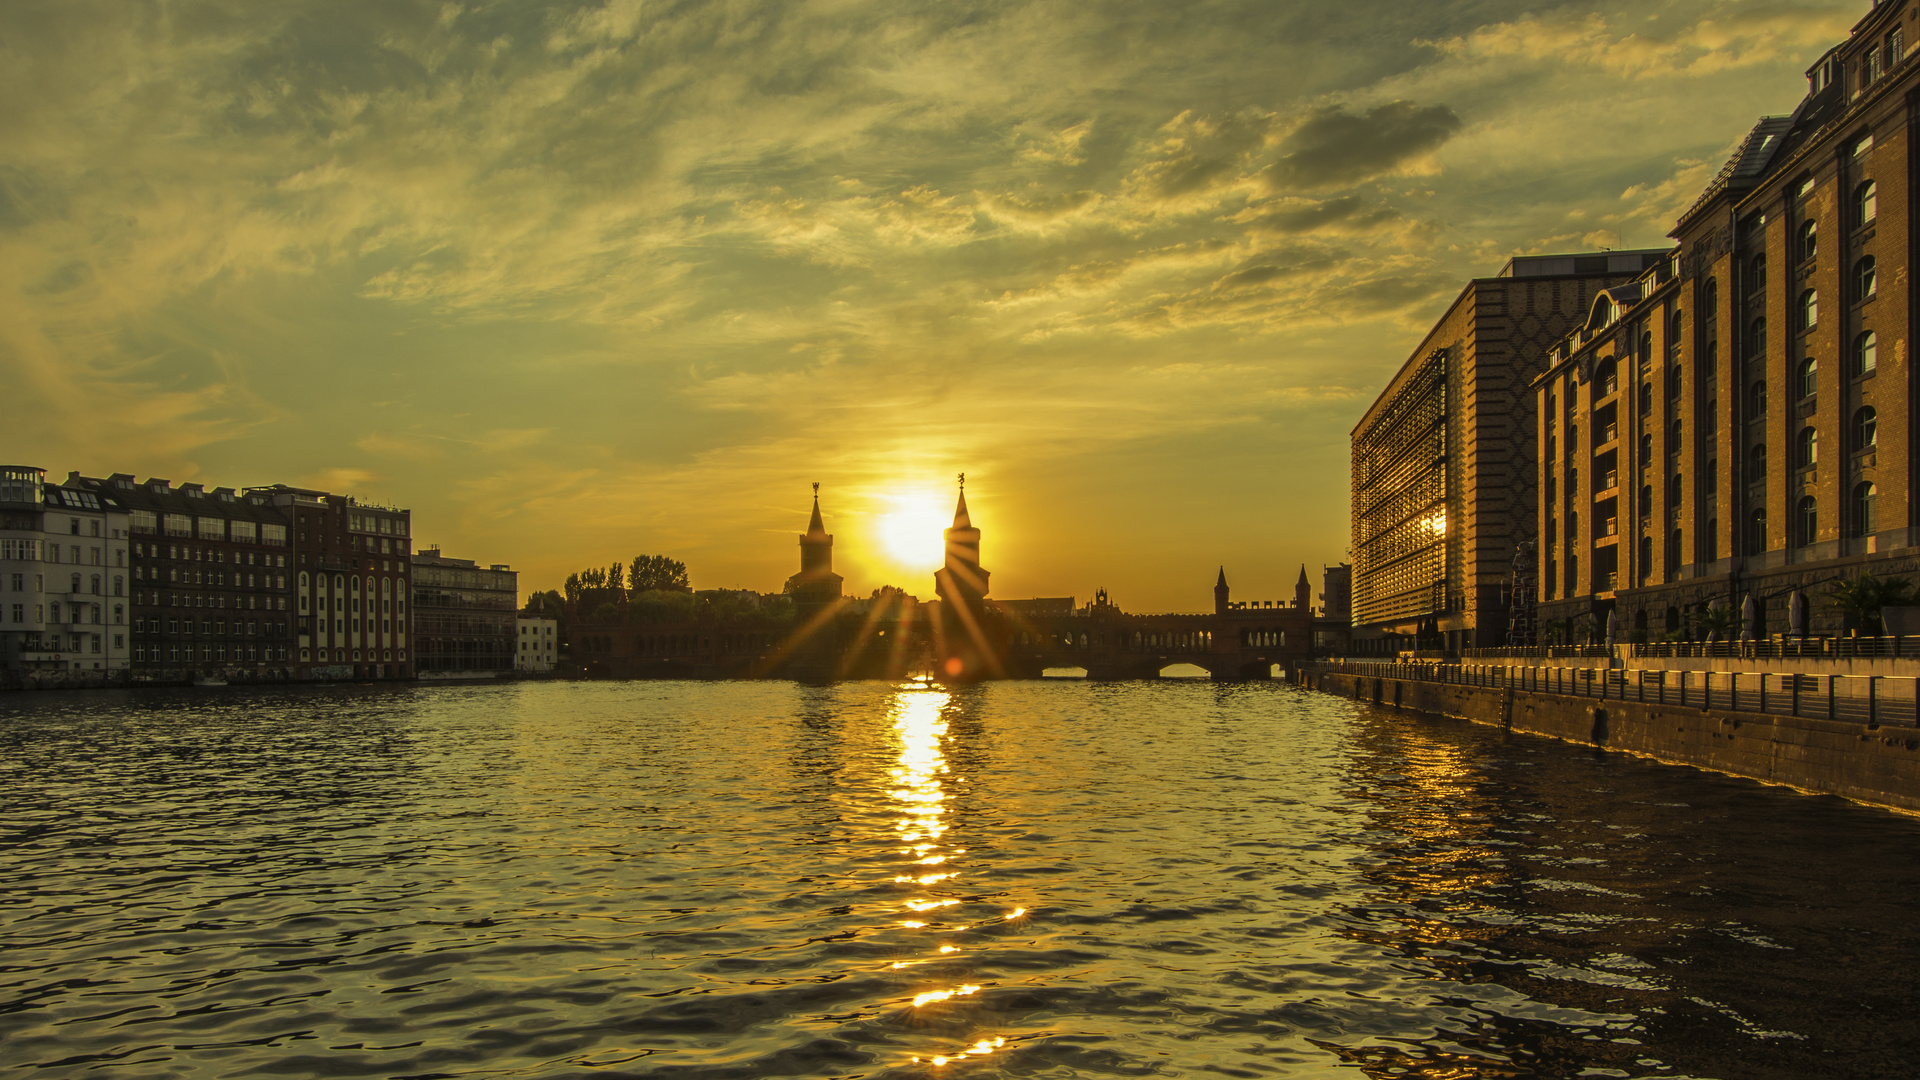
(63, 577)
(464, 619)
(538, 646)
(208, 582)
(351, 578)
(1735, 422)
(1443, 478)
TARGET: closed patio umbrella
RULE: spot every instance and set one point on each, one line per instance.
(1797, 614)
(1746, 618)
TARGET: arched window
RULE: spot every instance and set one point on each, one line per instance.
(1673, 437)
(1866, 205)
(1865, 279)
(1757, 531)
(1757, 337)
(303, 579)
(1865, 428)
(1809, 310)
(1809, 240)
(1675, 486)
(1646, 397)
(1711, 299)
(1646, 448)
(1757, 400)
(1673, 381)
(1809, 521)
(1674, 326)
(1646, 500)
(1809, 376)
(1757, 462)
(1864, 495)
(1866, 353)
(1606, 378)
(1646, 345)
(1756, 274)
(1809, 448)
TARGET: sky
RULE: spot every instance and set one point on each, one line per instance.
(576, 281)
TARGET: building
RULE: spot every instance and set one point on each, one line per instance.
(1443, 483)
(351, 579)
(539, 644)
(63, 572)
(208, 582)
(464, 619)
(1735, 422)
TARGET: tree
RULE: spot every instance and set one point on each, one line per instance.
(657, 573)
(1859, 600)
(1720, 623)
(573, 587)
(547, 605)
(615, 575)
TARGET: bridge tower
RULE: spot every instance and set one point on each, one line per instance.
(1220, 604)
(816, 585)
(1303, 591)
(970, 645)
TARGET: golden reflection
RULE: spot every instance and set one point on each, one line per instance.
(920, 780)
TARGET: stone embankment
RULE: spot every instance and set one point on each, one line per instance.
(1877, 764)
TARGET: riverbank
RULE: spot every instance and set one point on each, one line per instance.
(1878, 764)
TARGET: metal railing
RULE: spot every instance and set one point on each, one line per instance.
(1811, 648)
(1869, 699)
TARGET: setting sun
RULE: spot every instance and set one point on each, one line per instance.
(913, 531)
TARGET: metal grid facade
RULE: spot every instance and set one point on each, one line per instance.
(1399, 502)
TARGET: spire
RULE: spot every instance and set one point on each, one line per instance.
(960, 518)
(815, 527)
(1222, 583)
(1303, 578)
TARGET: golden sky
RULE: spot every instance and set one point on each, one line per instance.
(576, 281)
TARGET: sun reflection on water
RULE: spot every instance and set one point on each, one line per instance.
(920, 780)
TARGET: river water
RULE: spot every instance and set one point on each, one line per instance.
(1046, 879)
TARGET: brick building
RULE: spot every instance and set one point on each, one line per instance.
(1745, 406)
(1443, 477)
(465, 617)
(209, 580)
(351, 580)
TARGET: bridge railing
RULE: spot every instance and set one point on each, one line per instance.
(1777, 648)
(1869, 699)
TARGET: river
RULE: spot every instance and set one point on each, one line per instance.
(1042, 879)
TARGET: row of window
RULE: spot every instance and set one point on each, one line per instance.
(188, 553)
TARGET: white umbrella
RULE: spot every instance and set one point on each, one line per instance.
(1609, 628)
(1797, 614)
(1746, 618)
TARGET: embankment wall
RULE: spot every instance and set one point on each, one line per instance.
(1878, 765)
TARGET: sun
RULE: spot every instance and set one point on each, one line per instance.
(913, 532)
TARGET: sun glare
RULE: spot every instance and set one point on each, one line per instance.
(912, 531)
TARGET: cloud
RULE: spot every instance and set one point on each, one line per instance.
(1334, 148)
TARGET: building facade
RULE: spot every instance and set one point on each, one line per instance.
(63, 577)
(1736, 423)
(1443, 478)
(208, 581)
(538, 647)
(464, 619)
(351, 578)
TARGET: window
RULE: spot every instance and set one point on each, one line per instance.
(1674, 488)
(1757, 462)
(1866, 353)
(1646, 448)
(1646, 398)
(1673, 437)
(145, 521)
(1809, 376)
(1809, 240)
(1809, 521)
(1646, 557)
(1865, 280)
(1896, 48)
(1865, 425)
(1757, 275)
(1757, 532)
(179, 525)
(1809, 310)
(1864, 496)
(273, 534)
(1757, 400)
(1673, 382)
(213, 529)
(1866, 205)
(1712, 300)
(1757, 337)
(1809, 454)
(1674, 326)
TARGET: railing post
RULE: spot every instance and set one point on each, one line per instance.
(1830, 712)
(1640, 683)
(1796, 692)
(1683, 688)
(1873, 712)
(1763, 692)
(1706, 689)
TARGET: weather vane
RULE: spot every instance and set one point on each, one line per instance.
(816, 489)
(963, 481)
